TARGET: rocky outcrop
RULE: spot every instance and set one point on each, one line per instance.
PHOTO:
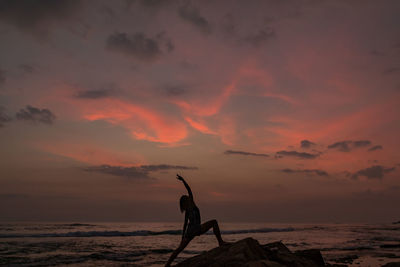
(248, 252)
(392, 264)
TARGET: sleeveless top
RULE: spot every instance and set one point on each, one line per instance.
(194, 216)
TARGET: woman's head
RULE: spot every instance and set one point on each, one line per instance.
(184, 202)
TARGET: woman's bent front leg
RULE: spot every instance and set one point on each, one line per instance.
(214, 225)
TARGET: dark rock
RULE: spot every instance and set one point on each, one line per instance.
(236, 254)
(248, 252)
(278, 252)
(387, 255)
(276, 247)
(392, 264)
(346, 259)
(390, 246)
(313, 255)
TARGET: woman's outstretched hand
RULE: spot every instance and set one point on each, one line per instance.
(180, 178)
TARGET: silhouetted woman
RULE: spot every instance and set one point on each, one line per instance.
(194, 227)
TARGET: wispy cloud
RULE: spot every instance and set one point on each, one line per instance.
(391, 70)
(140, 172)
(346, 146)
(138, 45)
(26, 68)
(95, 94)
(302, 155)
(307, 171)
(374, 172)
(36, 115)
(192, 15)
(34, 16)
(174, 90)
(2, 77)
(4, 118)
(306, 144)
(142, 122)
(377, 147)
(260, 37)
(244, 153)
(361, 143)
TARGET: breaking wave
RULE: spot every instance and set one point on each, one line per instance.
(136, 233)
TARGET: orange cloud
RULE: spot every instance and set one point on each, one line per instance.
(143, 123)
(248, 73)
(227, 130)
(200, 126)
(211, 107)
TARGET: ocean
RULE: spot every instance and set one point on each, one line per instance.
(150, 244)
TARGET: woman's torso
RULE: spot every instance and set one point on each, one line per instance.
(194, 215)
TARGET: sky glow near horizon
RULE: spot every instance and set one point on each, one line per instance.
(279, 111)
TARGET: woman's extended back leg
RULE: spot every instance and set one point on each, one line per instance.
(185, 241)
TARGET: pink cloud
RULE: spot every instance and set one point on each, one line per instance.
(199, 126)
(143, 123)
(208, 107)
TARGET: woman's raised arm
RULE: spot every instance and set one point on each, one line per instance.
(186, 185)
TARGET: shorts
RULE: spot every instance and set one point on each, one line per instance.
(193, 230)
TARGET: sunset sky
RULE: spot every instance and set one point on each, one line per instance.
(275, 111)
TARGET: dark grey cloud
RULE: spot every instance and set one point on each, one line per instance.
(307, 171)
(361, 143)
(2, 77)
(378, 147)
(255, 37)
(174, 90)
(95, 94)
(192, 15)
(228, 25)
(260, 37)
(26, 68)
(4, 118)
(129, 172)
(34, 15)
(140, 172)
(376, 52)
(346, 146)
(302, 155)
(107, 13)
(138, 45)
(306, 144)
(374, 172)
(346, 173)
(165, 167)
(187, 66)
(342, 146)
(391, 70)
(233, 152)
(36, 115)
(155, 3)
(165, 41)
